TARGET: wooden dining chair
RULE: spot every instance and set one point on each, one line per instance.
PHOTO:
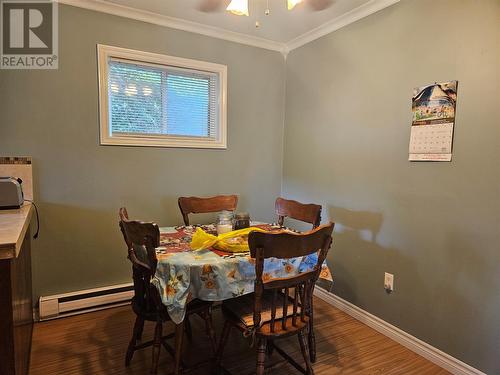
(199, 205)
(272, 312)
(142, 239)
(308, 213)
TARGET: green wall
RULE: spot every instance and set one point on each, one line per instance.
(53, 116)
(347, 117)
(436, 226)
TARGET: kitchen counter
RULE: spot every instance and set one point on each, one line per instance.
(16, 307)
(13, 227)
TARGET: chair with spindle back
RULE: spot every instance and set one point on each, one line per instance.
(308, 213)
(199, 205)
(271, 313)
(142, 239)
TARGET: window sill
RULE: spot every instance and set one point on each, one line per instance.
(177, 142)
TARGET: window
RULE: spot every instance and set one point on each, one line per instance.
(146, 99)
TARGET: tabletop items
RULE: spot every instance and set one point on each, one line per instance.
(227, 221)
(235, 241)
(224, 222)
(241, 220)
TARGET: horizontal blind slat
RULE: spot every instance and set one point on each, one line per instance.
(162, 101)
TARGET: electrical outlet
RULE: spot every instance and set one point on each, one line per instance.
(389, 282)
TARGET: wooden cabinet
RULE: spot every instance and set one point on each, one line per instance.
(16, 306)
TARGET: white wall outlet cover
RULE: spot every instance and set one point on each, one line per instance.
(389, 282)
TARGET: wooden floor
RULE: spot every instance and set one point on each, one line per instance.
(95, 343)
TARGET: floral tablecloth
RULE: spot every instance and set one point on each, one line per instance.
(212, 275)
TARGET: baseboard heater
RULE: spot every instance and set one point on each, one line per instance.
(61, 305)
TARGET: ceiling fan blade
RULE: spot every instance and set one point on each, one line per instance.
(209, 6)
(318, 5)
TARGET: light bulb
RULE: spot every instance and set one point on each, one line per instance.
(238, 7)
(291, 3)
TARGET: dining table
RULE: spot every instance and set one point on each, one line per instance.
(209, 274)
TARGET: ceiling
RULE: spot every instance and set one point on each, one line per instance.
(280, 26)
(282, 30)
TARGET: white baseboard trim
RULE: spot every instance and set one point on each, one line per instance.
(416, 345)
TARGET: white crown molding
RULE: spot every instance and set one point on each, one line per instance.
(345, 19)
(353, 15)
(175, 23)
(440, 358)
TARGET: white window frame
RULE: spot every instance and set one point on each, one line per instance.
(104, 53)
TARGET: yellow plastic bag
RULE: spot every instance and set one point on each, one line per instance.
(235, 241)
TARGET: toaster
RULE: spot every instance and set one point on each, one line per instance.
(11, 193)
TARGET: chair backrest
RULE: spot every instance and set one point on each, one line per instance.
(142, 239)
(198, 205)
(123, 214)
(285, 245)
(309, 213)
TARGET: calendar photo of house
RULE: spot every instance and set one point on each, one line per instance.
(434, 102)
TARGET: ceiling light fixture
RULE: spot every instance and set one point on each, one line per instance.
(291, 3)
(238, 7)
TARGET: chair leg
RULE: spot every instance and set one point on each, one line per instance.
(209, 329)
(261, 356)
(156, 347)
(179, 335)
(139, 322)
(222, 343)
(140, 330)
(305, 353)
(187, 327)
(270, 347)
(311, 337)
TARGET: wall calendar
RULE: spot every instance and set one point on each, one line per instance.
(433, 107)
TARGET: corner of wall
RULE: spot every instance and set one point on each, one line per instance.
(285, 54)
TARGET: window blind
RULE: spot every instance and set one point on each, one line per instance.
(162, 100)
